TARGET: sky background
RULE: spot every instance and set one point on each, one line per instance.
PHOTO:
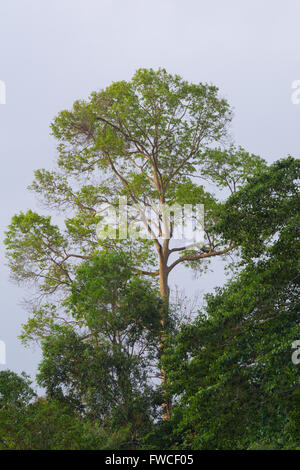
(52, 53)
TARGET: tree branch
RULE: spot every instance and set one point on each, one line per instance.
(199, 256)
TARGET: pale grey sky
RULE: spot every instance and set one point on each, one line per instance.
(52, 53)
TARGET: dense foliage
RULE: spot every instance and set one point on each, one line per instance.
(237, 386)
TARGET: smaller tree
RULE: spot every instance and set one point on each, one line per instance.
(15, 390)
(103, 364)
(42, 425)
(28, 422)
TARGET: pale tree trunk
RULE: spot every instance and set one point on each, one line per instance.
(165, 295)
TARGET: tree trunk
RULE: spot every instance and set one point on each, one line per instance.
(165, 294)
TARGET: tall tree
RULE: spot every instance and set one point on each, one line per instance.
(149, 140)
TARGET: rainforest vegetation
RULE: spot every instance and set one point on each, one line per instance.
(123, 366)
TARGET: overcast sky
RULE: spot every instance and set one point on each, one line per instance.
(54, 52)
